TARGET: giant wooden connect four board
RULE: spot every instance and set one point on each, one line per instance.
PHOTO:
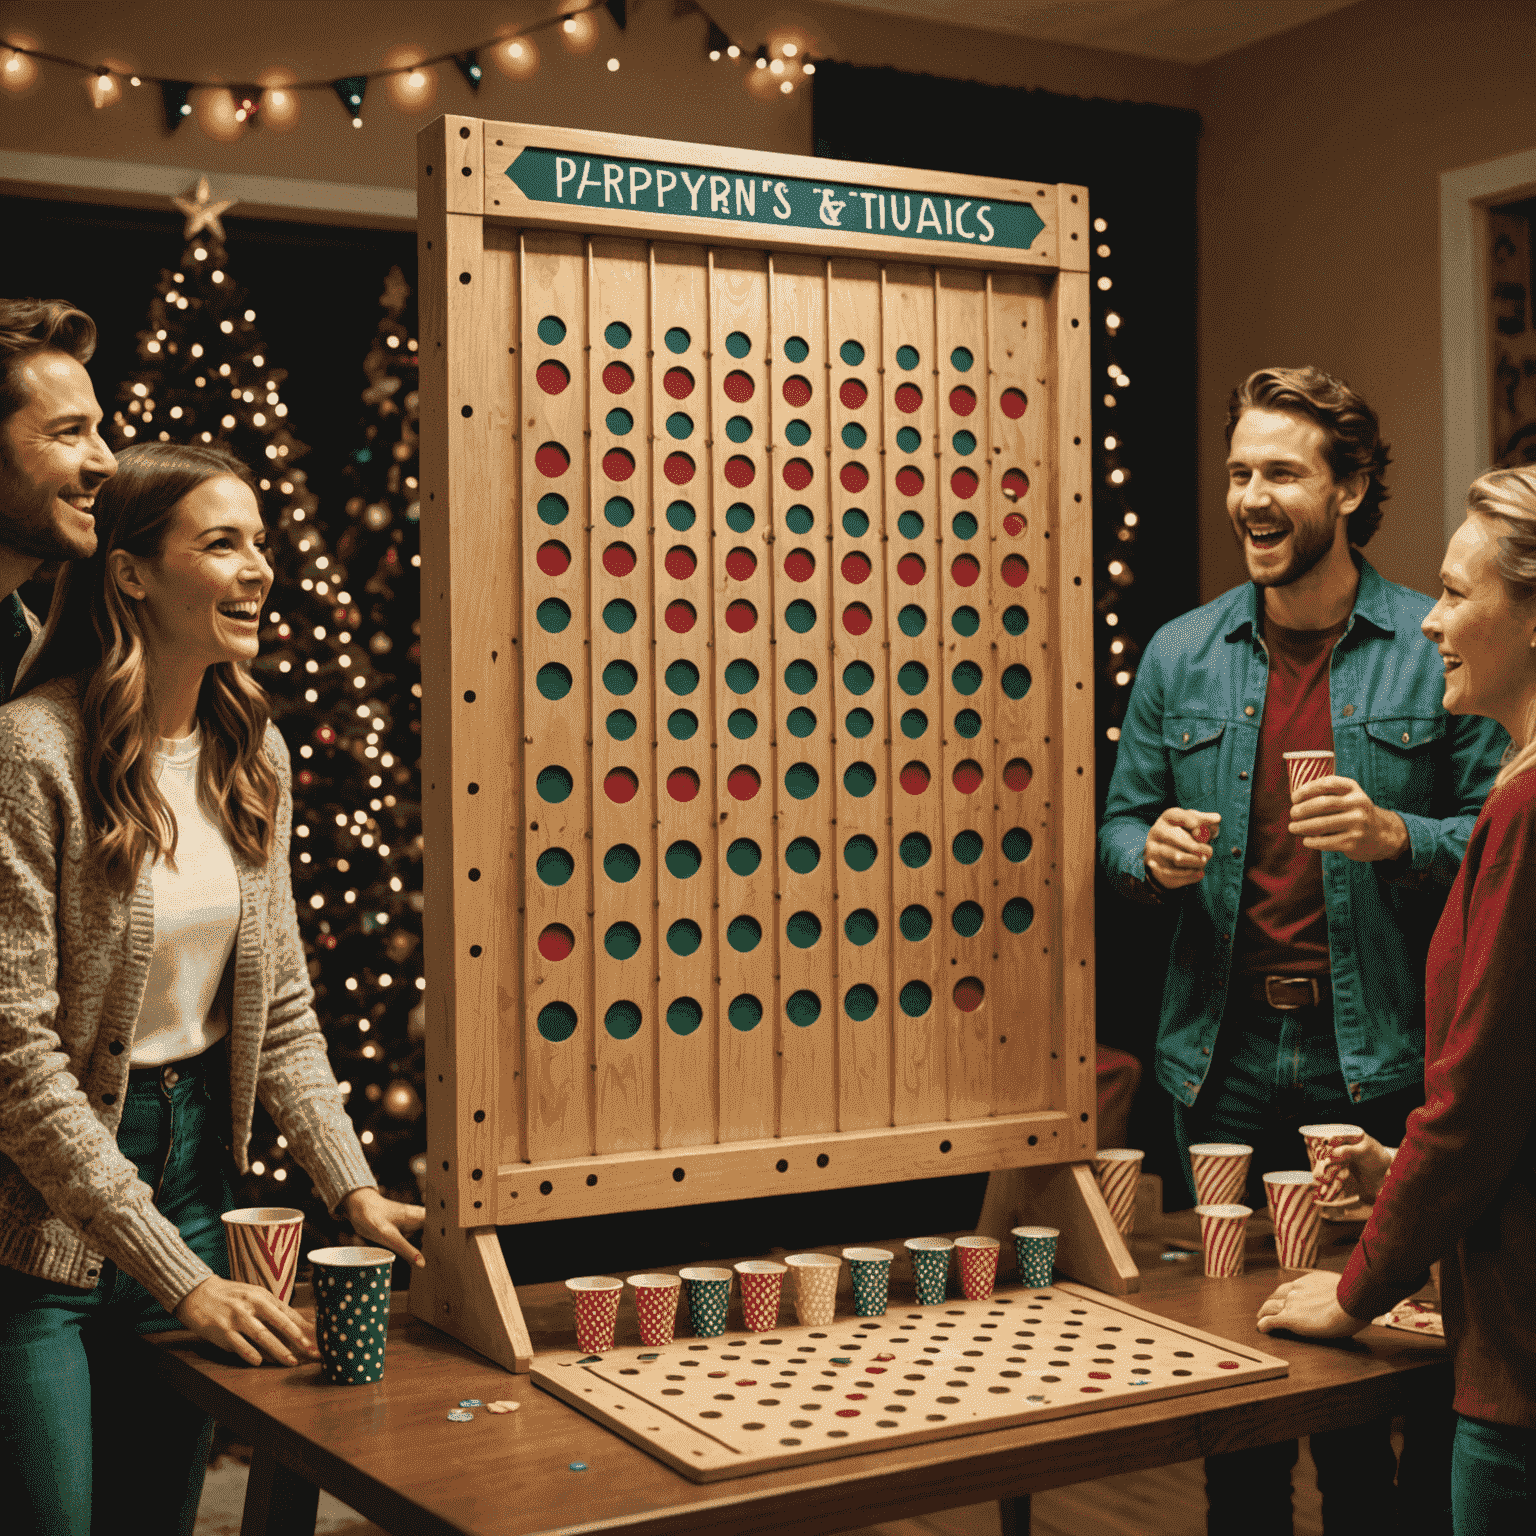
(756, 626)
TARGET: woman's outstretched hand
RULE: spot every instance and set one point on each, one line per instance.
(248, 1321)
(385, 1222)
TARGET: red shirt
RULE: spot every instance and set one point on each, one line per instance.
(1463, 1186)
(1282, 923)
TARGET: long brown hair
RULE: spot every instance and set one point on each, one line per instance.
(94, 629)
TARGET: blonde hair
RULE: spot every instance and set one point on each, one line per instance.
(1509, 497)
(94, 629)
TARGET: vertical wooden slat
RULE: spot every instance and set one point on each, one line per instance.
(746, 931)
(863, 757)
(557, 768)
(912, 583)
(623, 783)
(969, 774)
(688, 1085)
(803, 619)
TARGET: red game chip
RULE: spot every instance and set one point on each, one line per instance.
(965, 570)
(1202, 833)
(911, 569)
(968, 995)
(682, 784)
(1015, 570)
(738, 386)
(552, 377)
(618, 378)
(1013, 402)
(1080, 1389)
(857, 618)
(798, 474)
(799, 565)
(909, 479)
(551, 460)
(618, 464)
(680, 617)
(554, 558)
(915, 778)
(740, 564)
(963, 483)
(743, 783)
(1015, 483)
(621, 786)
(556, 942)
(740, 471)
(1014, 524)
(678, 468)
(853, 394)
(1098, 1375)
(854, 477)
(618, 559)
(962, 400)
(797, 390)
(847, 1413)
(678, 383)
(680, 562)
(741, 617)
(908, 398)
(856, 568)
(967, 776)
(1017, 774)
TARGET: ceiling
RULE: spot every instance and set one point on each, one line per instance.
(1180, 31)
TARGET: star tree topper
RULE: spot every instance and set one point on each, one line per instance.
(203, 209)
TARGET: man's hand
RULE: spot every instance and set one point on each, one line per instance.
(1174, 855)
(385, 1222)
(1364, 1162)
(1309, 1307)
(1334, 814)
(233, 1315)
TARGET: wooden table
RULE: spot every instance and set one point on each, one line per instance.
(389, 1451)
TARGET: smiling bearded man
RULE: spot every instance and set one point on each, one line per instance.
(52, 459)
(1303, 919)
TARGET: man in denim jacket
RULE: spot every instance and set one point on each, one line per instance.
(1296, 989)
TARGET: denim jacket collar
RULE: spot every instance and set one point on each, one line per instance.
(1373, 605)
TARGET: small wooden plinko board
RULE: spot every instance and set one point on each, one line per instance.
(726, 1407)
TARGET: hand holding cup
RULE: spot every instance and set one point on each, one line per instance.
(1178, 846)
(1364, 1162)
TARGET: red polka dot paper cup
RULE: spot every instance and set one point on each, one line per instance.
(1221, 1235)
(762, 1280)
(1118, 1170)
(1319, 1139)
(1221, 1171)
(978, 1266)
(656, 1298)
(1295, 1216)
(597, 1311)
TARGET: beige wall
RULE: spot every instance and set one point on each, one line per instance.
(1319, 241)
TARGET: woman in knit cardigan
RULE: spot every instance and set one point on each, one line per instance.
(152, 986)
(1462, 1187)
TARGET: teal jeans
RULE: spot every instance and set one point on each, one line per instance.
(90, 1441)
(1491, 1478)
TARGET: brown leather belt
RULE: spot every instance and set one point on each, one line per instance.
(1285, 993)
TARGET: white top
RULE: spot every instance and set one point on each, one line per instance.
(197, 913)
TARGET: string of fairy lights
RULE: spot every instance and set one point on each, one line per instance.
(225, 110)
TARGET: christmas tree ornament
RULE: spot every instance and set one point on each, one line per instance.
(202, 209)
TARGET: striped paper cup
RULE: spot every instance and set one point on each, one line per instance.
(978, 1265)
(1118, 1170)
(263, 1243)
(709, 1294)
(1221, 1171)
(597, 1311)
(930, 1268)
(351, 1311)
(656, 1299)
(1303, 767)
(1319, 1138)
(1295, 1216)
(1036, 1248)
(1221, 1235)
(815, 1287)
(761, 1282)
(871, 1271)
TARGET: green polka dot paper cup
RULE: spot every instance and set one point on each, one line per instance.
(816, 1277)
(709, 1294)
(1036, 1248)
(762, 1280)
(597, 1311)
(978, 1265)
(656, 1298)
(351, 1312)
(930, 1268)
(871, 1271)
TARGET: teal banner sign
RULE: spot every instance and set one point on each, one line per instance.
(690, 191)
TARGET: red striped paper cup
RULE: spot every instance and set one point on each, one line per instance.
(1303, 767)
(597, 1311)
(1118, 1170)
(1295, 1216)
(1221, 1235)
(1319, 1138)
(978, 1266)
(761, 1283)
(1221, 1171)
(263, 1243)
(656, 1306)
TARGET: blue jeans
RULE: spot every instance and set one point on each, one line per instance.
(90, 1441)
(1491, 1478)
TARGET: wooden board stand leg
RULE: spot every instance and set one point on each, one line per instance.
(466, 1291)
(1066, 1196)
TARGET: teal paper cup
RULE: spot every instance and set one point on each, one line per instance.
(871, 1271)
(1036, 1248)
(351, 1312)
(709, 1294)
(930, 1268)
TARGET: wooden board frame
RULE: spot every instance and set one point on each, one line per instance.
(521, 1130)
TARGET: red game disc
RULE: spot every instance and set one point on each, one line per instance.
(1013, 403)
(680, 617)
(797, 390)
(1015, 570)
(798, 474)
(621, 786)
(856, 568)
(682, 784)
(854, 477)
(552, 377)
(618, 378)
(963, 483)
(740, 471)
(1014, 524)
(909, 480)
(741, 617)
(738, 386)
(1016, 482)
(853, 394)
(967, 777)
(962, 400)
(678, 468)
(911, 569)
(799, 565)
(618, 464)
(680, 562)
(743, 783)
(554, 558)
(857, 619)
(551, 460)
(556, 942)
(678, 383)
(618, 559)
(914, 778)
(908, 398)
(740, 564)
(968, 995)
(965, 570)
(1016, 774)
